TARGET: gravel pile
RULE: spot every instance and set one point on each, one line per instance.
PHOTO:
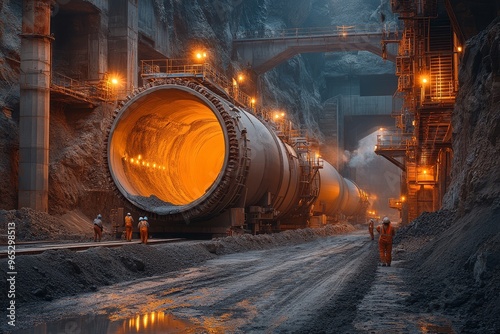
(454, 266)
(411, 238)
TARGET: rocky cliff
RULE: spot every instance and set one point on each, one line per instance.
(476, 125)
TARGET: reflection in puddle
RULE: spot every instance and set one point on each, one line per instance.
(436, 329)
(154, 322)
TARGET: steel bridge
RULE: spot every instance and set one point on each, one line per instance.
(263, 50)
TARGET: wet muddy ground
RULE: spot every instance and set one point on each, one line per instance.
(329, 285)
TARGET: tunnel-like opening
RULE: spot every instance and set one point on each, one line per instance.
(166, 149)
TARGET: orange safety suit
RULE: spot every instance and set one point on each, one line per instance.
(370, 229)
(385, 243)
(143, 230)
(128, 227)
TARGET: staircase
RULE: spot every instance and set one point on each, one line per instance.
(442, 83)
(440, 62)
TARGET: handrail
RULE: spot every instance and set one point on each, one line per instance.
(79, 89)
(159, 68)
(341, 31)
(394, 141)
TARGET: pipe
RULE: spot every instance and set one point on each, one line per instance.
(178, 150)
(337, 194)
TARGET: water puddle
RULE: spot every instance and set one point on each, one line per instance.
(154, 322)
(436, 329)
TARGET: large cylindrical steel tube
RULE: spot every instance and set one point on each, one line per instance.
(177, 149)
(337, 194)
(331, 191)
(353, 198)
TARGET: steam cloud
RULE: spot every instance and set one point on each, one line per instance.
(377, 176)
(364, 154)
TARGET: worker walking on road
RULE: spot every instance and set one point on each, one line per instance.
(370, 228)
(98, 228)
(143, 229)
(129, 220)
(385, 242)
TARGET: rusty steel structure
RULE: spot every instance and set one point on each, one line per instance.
(197, 162)
(429, 54)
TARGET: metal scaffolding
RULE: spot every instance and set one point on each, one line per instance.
(426, 66)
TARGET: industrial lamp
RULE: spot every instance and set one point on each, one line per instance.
(200, 55)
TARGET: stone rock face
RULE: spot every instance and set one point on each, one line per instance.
(77, 156)
(10, 27)
(476, 125)
(9, 157)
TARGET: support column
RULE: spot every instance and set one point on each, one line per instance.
(35, 105)
(122, 43)
(98, 46)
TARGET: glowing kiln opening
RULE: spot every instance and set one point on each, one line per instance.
(167, 144)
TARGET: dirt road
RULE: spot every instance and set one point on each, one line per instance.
(330, 285)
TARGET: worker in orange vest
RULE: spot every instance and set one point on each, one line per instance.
(370, 228)
(143, 229)
(386, 232)
(129, 220)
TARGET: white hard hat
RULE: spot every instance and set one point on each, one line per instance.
(140, 218)
(99, 216)
(128, 213)
(386, 220)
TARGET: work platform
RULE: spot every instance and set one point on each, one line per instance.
(79, 94)
(204, 73)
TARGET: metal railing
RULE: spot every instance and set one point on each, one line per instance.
(340, 31)
(80, 89)
(181, 68)
(399, 141)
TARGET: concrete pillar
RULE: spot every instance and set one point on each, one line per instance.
(35, 105)
(122, 41)
(98, 46)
